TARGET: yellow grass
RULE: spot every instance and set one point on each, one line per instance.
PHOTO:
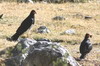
(15, 13)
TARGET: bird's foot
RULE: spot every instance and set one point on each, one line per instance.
(9, 39)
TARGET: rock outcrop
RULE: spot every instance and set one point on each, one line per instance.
(30, 52)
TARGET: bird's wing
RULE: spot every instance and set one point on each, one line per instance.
(88, 47)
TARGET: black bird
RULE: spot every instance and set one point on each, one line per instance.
(25, 25)
(1, 16)
(85, 46)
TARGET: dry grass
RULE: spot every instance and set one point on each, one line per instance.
(15, 13)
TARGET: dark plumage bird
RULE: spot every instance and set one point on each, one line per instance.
(1, 16)
(25, 25)
(85, 46)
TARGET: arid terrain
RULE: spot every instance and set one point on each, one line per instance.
(74, 13)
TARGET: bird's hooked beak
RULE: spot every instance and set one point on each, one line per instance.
(35, 12)
(90, 36)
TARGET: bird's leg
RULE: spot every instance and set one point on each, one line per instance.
(29, 33)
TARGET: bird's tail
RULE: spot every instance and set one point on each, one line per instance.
(82, 56)
(15, 37)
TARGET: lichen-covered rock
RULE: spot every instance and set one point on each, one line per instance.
(22, 46)
(43, 39)
(40, 53)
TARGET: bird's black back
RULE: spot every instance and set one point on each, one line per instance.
(26, 24)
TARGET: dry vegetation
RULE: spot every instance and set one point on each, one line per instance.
(15, 13)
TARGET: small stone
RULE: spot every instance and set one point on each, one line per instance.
(43, 29)
(58, 18)
(88, 17)
(70, 32)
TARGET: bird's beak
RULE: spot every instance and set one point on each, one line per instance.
(90, 36)
(35, 13)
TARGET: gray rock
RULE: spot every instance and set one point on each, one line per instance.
(41, 53)
(58, 18)
(88, 17)
(69, 32)
(22, 45)
(31, 1)
(43, 40)
(55, 1)
(26, 1)
(43, 29)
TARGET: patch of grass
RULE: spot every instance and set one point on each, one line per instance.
(57, 40)
(73, 42)
(60, 62)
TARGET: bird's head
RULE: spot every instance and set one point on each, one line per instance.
(87, 35)
(33, 12)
